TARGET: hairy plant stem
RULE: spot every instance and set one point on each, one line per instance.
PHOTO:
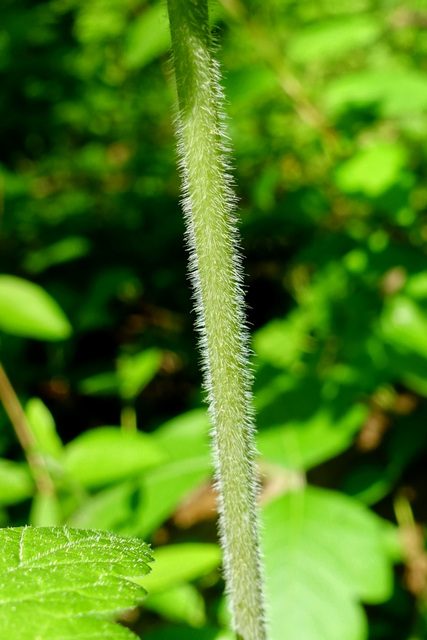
(215, 269)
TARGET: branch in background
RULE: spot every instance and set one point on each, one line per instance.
(271, 54)
(25, 436)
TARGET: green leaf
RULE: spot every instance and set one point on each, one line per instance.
(185, 436)
(324, 553)
(45, 511)
(163, 489)
(141, 505)
(65, 250)
(403, 324)
(16, 483)
(281, 342)
(303, 422)
(147, 37)
(132, 375)
(333, 39)
(185, 439)
(397, 91)
(373, 170)
(109, 509)
(108, 454)
(62, 584)
(320, 438)
(101, 384)
(182, 603)
(179, 563)
(416, 286)
(135, 372)
(27, 310)
(186, 633)
(43, 427)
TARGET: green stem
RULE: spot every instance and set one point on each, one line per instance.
(216, 275)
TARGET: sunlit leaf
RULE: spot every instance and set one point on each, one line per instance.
(135, 372)
(64, 250)
(147, 37)
(43, 427)
(179, 563)
(63, 584)
(404, 325)
(324, 553)
(372, 170)
(108, 454)
(27, 310)
(182, 603)
(16, 483)
(302, 422)
(397, 91)
(332, 39)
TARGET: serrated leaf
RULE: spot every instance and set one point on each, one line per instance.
(63, 584)
(109, 454)
(324, 553)
(28, 310)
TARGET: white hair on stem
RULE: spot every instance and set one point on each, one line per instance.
(215, 268)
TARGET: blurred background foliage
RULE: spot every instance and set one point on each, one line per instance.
(327, 103)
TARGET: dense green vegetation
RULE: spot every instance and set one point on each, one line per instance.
(327, 106)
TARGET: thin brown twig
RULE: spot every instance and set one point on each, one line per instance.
(25, 435)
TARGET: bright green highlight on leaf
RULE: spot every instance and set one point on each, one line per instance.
(109, 454)
(373, 170)
(16, 483)
(27, 310)
(133, 373)
(58, 583)
(180, 563)
(333, 39)
(147, 37)
(44, 428)
(182, 603)
(404, 325)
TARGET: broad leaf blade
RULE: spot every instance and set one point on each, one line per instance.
(108, 454)
(324, 553)
(16, 483)
(62, 583)
(28, 310)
